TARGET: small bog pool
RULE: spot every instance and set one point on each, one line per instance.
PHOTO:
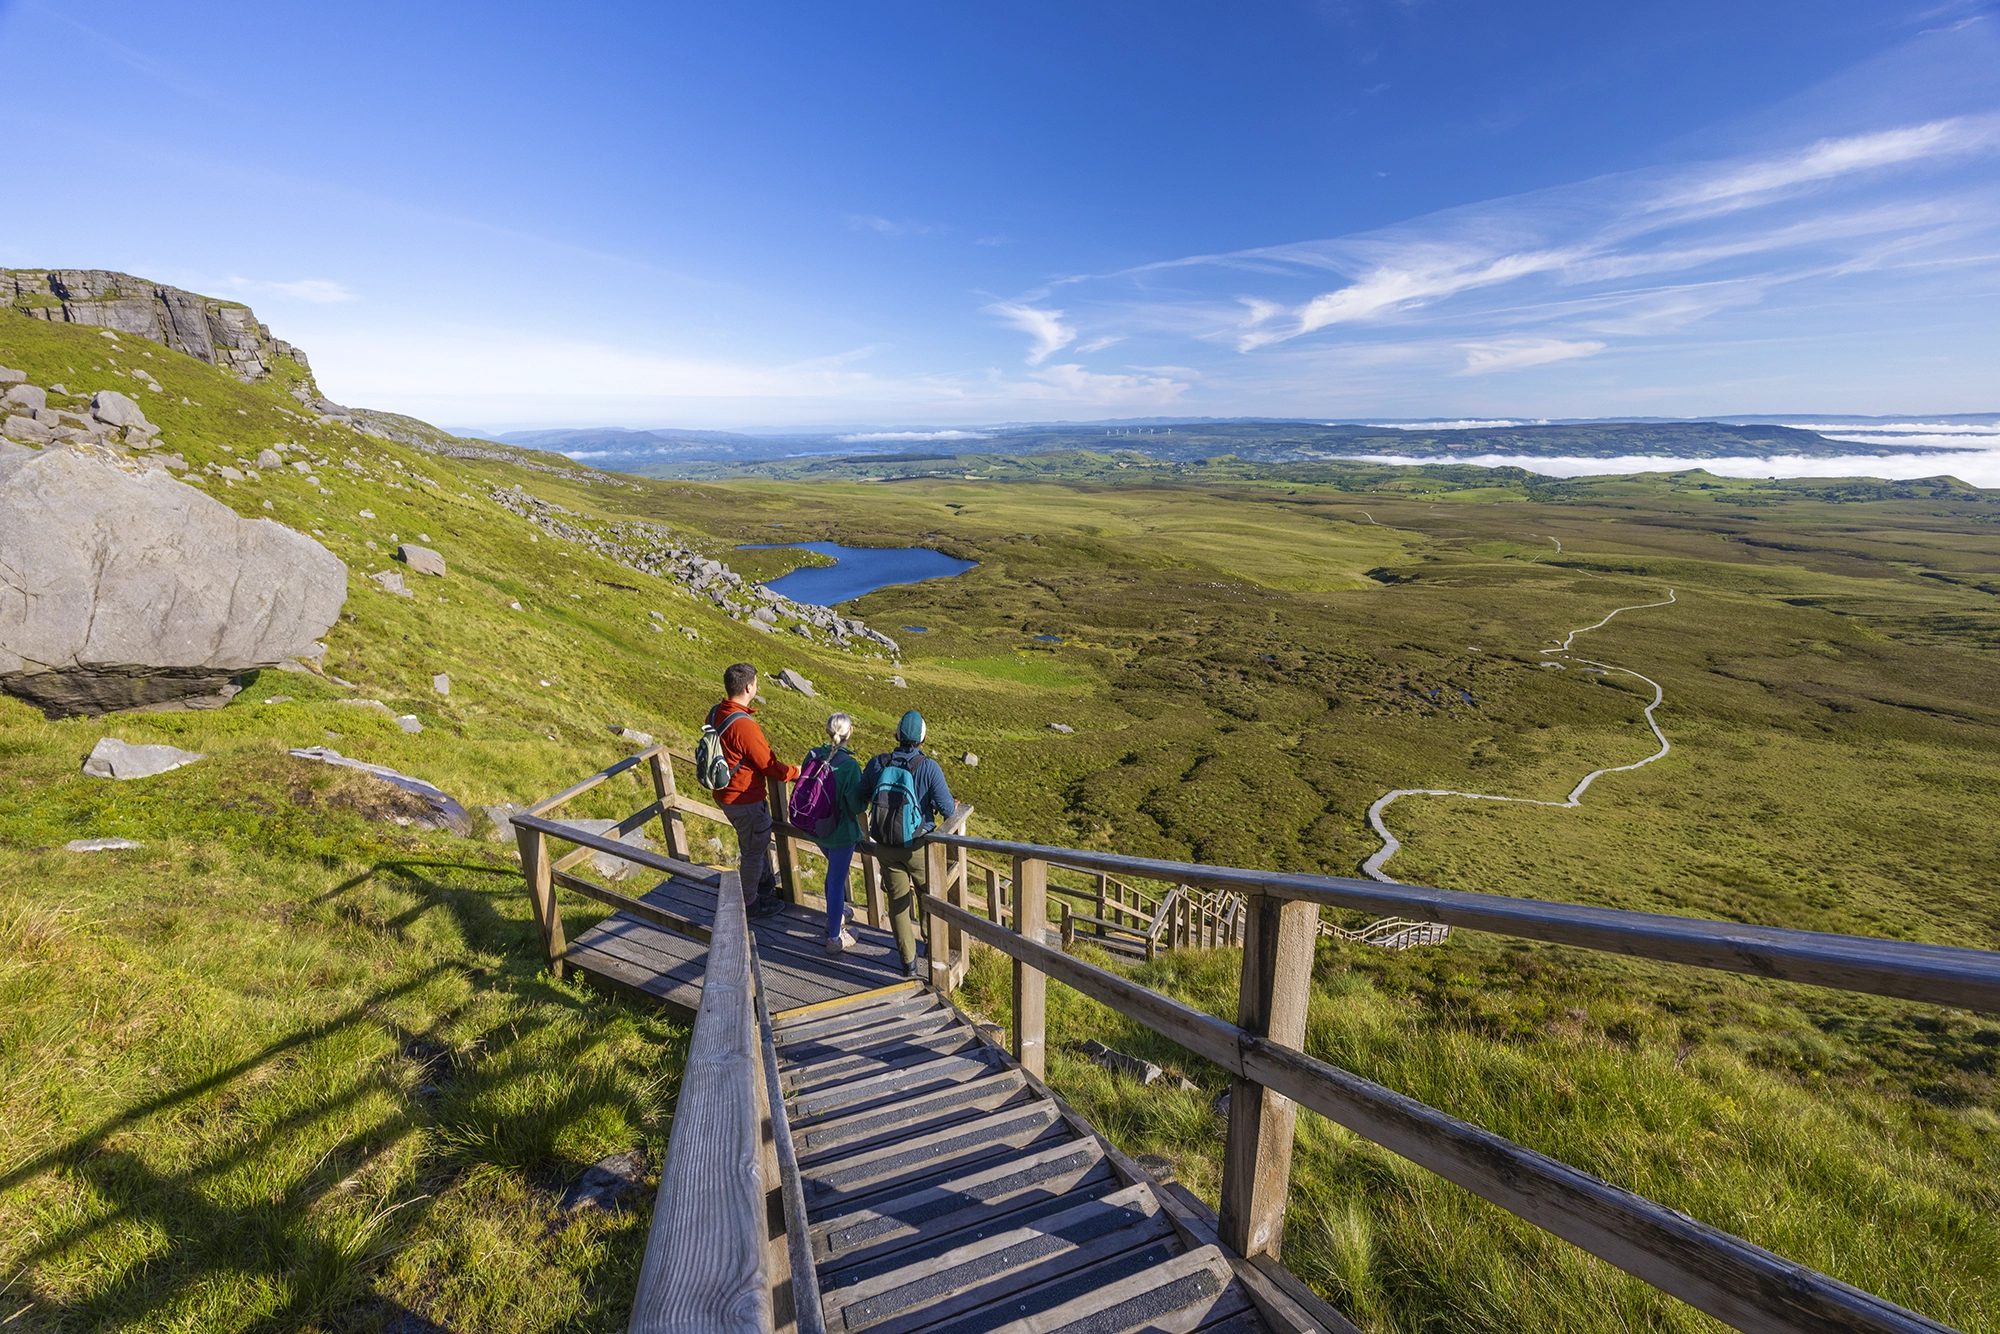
(860, 570)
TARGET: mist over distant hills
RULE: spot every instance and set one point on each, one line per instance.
(1265, 440)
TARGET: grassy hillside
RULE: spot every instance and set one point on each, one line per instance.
(293, 1065)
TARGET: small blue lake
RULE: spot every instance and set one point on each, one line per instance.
(860, 570)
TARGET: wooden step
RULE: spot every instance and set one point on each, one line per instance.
(841, 1237)
(1066, 1217)
(922, 1160)
(894, 1054)
(900, 1120)
(878, 1001)
(1152, 1289)
(799, 1050)
(812, 1025)
(1020, 1210)
(903, 1082)
(979, 1271)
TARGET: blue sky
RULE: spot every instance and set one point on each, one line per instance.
(511, 215)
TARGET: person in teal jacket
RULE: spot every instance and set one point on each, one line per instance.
(838, 845)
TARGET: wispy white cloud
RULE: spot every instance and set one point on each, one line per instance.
(1099, 344)
(870, 437)
(869, 222)
(1512, 354)
(319, 291)
(1045, 327)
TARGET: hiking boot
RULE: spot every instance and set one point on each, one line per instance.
(841, 943)
(766, 907)
(912, 970)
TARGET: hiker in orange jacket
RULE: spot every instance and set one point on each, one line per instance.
(751, 763)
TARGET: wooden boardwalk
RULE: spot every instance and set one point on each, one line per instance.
(947, 1190)
(645, 962)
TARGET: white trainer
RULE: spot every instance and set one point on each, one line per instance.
(841, 943)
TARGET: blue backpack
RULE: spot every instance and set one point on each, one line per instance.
(894, 815)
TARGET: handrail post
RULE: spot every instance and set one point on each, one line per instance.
(871, 884)
(1271, 1003)
(781, 843)
(672, 824)
(992, 893)
(1030, 984)
(939, 933)
(540, 876)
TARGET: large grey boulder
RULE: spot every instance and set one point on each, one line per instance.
(421, 559)
(26, 396)
(114, 409)
(121, 587)
(112, 758)
(8, 375)
(28, 429)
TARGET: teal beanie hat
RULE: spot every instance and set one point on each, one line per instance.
(911, 729)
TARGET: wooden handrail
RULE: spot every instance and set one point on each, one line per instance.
(1949, 975)
(1729, 1278)
(707, 1262)
(705, 875)
(547, 804)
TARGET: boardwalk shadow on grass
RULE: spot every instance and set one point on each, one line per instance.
(292, 1255)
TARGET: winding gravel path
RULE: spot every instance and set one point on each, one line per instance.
(1373, 866)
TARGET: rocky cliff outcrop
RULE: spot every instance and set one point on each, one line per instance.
(221, 333)
(121, 587)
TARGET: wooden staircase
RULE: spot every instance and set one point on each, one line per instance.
(947, 1190)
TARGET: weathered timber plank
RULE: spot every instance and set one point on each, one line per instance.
(1041, 1182)
(910, 1081)
(855, 1004)
(1080, 1300)
(639, 856)
(980, 1271)
(904, 1005)
(631, 907)
(1939, 974)
(808, 1049)
(706, 1264)
(550, 803)
(803, 1080)
(904, 1165)
(900, 1120)
(1287, 1304)
(631, 983)
(1275, 985)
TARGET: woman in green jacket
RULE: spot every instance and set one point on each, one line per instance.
(837, 846)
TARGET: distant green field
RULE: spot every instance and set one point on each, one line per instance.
(293, 1065)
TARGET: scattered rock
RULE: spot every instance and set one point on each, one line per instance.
(26, 396)
(969, 760)
(1142, 1070)
(447, 813)
(607, 1183)
(279, 699)
(8, 375)
(27, 430)
(410, 723)
(1221, 1103)
(114, 409)
(792, 680)
(392, 582)
(112, 758)
(270, 458)
(899, 683)
(367, 514)
(757, 625)
(100, 845)
(1156, 1166)
(766, 615)
(421, 559)
(502, 817)
(441, 683)
(628, 734)
(609, 866)
(1061, 727)
(513, 606)
(375, 704)
(121, 587)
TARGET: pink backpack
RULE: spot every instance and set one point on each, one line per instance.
(814, 807)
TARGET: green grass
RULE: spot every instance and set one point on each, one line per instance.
(292, 1065)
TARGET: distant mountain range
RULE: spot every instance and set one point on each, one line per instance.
(1268, 440)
